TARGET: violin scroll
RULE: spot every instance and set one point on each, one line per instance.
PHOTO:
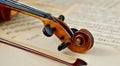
(82, 41)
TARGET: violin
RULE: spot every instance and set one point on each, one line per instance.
(76, 40)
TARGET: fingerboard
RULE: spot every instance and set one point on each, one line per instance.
(23, 7)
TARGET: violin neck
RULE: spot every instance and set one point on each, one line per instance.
(24, 8)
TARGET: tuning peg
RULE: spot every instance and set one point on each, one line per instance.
(63, 45)
(74, 30)
(48, 31)
(61, 17)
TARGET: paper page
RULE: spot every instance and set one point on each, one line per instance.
(110, 4)
(28, 29)
(104, 25)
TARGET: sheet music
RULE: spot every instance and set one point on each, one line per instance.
(86, 16)
(104, 25)
(110, 4)
(28, 29)
(101, 22)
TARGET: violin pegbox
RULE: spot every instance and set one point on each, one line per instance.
(48, 30)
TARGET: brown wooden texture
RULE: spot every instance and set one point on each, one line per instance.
(83, 41)
(4, 13)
